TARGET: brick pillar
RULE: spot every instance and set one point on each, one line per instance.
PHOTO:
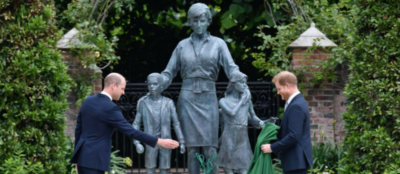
(76, 70)
(326, 103)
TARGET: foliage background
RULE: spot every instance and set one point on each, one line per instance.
(142, 34)
(372, 139)
(148, 32)
(33, 85)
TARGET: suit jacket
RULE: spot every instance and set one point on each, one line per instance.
(167, 114)
(97, 120)
(294, 141)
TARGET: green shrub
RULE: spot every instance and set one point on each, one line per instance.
(118, 164)
(372, 139)
(33, 85)
(326, 156)
(277, 166)
(17, 164)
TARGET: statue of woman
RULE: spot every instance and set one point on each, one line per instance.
(199, 59)
(237, 111)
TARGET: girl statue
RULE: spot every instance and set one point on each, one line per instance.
(236, 112)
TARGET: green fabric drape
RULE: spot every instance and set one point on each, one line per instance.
(262, 163)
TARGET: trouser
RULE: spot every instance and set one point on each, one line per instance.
(301, 171)
(193, 162)
(85, 170)
(162, 154)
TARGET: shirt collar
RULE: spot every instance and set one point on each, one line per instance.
(108, 95)
(208, 37)
(292, 96)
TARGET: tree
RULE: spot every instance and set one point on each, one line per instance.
(33, 85)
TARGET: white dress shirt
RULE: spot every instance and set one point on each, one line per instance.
(108, 95)
(291, 98)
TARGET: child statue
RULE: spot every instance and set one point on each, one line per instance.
(157, 112)
(237, 111)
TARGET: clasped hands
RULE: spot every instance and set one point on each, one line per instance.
(166, 143)
(266, 148)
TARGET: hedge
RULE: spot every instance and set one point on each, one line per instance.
(33, 85)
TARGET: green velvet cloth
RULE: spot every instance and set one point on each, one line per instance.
(262, 163)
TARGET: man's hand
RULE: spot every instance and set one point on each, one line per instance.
(183, 149)
(167, 143)
(266, 148)
(76, 167)
(139, 148)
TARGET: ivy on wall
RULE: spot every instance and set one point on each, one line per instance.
(33, 87)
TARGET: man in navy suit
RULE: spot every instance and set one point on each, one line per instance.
(294, 142)
(97, 120)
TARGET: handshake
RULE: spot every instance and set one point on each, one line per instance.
(166, 143)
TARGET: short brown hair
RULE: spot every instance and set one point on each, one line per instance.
(113, 78)
(285, 77)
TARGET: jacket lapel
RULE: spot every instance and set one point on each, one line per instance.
(163, 106)
(290, 104)
(293, 100)
(149, 110)
(147, 104)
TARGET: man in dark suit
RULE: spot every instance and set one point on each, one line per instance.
(294, 142)
(97, 120)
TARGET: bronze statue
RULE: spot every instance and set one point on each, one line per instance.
(199, 58)
(157, 112)
(237, 111)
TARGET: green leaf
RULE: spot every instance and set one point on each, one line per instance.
(235, 9)
(248, 8)
(227, 23)
(270, 22)
(241, 18)
(222, 30)
(249, 25)
(225, 15)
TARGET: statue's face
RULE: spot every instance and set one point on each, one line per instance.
(199, 24)
(154, 86)
(241, 85)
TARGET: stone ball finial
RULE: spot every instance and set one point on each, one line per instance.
(312, 25)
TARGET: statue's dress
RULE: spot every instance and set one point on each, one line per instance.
(197, 105)
(235, 150)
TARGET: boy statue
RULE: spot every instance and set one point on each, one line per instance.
(157, 112)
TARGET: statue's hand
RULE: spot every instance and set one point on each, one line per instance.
(262, 124)
(183, 149)
(139, 148)
(246, 95)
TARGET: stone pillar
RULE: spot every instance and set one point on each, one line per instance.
(76, 70)
(326, 103)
